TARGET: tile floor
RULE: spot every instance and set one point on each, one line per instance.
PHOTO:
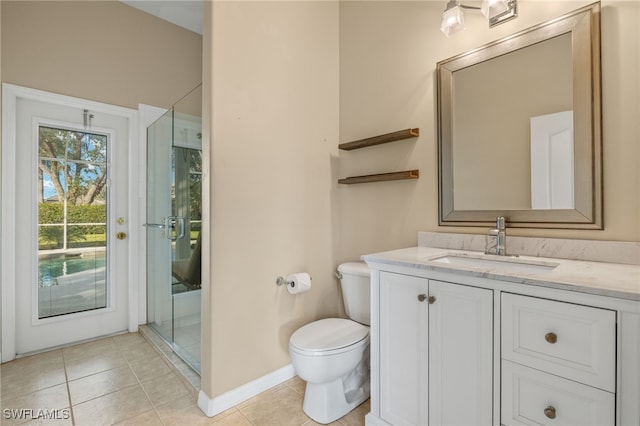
(186, 334)
(127, 380)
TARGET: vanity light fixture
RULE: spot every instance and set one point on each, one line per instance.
(496, 11)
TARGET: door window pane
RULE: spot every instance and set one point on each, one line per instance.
(72, 221)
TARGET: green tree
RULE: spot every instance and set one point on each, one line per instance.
(75, 163)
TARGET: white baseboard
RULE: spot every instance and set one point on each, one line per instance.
(371, 420)
(217, 405)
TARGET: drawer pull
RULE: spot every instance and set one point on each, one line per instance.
(551, 338)
(550, 412)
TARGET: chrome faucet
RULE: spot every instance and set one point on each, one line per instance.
(499, 235)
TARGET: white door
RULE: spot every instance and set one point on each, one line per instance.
(552, 165)
(65, 209)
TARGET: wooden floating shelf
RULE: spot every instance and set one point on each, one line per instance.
(378, 140)
(409, 174)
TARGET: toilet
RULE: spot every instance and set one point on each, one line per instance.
(332, 354)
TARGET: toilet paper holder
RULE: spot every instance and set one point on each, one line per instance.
(282, 281)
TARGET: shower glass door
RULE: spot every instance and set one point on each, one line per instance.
(174, 200)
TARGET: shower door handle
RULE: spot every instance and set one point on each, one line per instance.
(170, 223)
(154, 225)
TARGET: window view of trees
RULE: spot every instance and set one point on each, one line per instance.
(187, 175)
(195, 185)
(72, 188)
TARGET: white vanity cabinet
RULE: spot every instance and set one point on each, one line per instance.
(558, 362)
(435, 351)
(454, 347)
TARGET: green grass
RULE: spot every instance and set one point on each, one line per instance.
(91, 240)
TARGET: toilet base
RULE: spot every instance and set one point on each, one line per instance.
(327, 402)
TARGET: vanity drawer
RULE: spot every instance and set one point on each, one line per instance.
(532, 397)
(573, 341)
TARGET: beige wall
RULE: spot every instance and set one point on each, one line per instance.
(388, 53)
(274, 137)
(104, 51)
(276, 75)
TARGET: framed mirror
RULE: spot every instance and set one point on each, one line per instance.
(519, 128)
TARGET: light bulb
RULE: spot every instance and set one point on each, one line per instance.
(493, 8)
(452, 20)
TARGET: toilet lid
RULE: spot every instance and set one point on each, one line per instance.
(328, 334)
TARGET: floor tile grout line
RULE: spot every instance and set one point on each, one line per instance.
(173, 370)
(71, 405)
(66, 381)
(293, 388)
(138, 383)
(158, 351)
(95, 374)
(239, 410)
(11, 396)
(167, 360)
(153, 407)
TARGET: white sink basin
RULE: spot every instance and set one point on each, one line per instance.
(508, 264)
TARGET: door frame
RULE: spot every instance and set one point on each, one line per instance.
(10, 95)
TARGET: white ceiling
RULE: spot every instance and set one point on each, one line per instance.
(185, 13)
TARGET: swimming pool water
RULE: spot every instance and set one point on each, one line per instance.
(49, 269)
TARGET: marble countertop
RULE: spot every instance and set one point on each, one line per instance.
(601, 278)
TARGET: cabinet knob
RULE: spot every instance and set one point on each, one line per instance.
(423, 297)
(551, 338)
(550, 412)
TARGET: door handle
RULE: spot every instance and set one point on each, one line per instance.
(170, 223)
(154, 225)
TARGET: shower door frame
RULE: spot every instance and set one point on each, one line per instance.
(148, 116)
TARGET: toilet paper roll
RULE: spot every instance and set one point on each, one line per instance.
(298, 283)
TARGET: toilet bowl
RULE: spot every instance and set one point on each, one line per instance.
(332, 354)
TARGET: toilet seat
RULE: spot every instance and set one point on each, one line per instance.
(328, 337)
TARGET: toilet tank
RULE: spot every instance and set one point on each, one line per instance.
(356, 290)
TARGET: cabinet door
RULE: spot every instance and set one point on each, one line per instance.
(403, 349)
(460, 355)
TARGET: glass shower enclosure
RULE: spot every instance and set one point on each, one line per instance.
(174, 219)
